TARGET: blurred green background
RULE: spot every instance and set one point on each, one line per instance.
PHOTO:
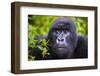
(40, 25)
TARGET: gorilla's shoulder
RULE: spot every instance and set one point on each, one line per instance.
(81, 50)
(82, 40)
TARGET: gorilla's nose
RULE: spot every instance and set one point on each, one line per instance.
(61, 40)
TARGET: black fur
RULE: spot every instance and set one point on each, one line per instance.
(70, 46)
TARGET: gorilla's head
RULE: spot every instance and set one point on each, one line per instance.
(62, 38)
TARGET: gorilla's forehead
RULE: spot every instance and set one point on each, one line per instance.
(63, 23)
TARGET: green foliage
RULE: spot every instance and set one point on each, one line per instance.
(43, 47)
(81, 24)
(30, 57)
(40, 25)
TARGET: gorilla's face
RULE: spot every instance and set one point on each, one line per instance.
(62, 38)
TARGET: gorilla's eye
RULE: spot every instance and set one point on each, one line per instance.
(57, 31)
(65, 31)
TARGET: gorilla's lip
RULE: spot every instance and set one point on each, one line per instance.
(61, 47)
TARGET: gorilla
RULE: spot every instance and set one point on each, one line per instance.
(64, 43)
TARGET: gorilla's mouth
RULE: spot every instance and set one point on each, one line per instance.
(61, 47)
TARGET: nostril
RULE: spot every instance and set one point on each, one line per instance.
(62, 39)
(58, 39)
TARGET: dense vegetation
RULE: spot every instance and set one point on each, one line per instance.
(39, 25)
